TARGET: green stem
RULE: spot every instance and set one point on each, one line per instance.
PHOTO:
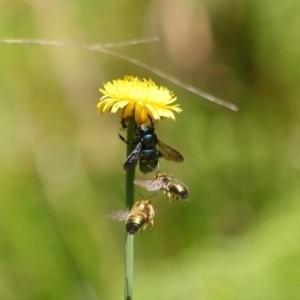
(129, 187)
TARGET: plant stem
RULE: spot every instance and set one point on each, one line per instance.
(129, 241)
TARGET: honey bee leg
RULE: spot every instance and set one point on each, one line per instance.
(144, 227)
(123, 123)
(125, 141)
(151, 224)
(150, 217)
(151, 167)
(158, 168)
(167, 193)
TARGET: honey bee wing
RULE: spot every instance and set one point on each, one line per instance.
(133, 157)
(169, 153)
(149, 184)
(118, 215)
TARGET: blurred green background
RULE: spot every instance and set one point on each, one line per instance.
(61, 163)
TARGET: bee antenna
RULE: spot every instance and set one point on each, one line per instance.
(152, 123)
(141, 195)
(151, 196)
(148, 197)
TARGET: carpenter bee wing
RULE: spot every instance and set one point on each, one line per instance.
(149, 184)
(133, 157)
(169, 153)
(118, 215)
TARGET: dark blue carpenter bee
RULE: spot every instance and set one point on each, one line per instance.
(148, 150)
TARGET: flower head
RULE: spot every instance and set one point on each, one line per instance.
(141, 97)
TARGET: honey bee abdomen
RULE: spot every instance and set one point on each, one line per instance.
(179, 191)
(136, 222)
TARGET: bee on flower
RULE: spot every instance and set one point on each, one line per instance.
(147, 103)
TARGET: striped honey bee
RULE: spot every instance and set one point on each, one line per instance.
(171, 187)
(138, 218)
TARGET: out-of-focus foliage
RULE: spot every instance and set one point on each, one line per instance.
(61, 163)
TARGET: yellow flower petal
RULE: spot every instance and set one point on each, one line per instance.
(127, 112)
(141, 96)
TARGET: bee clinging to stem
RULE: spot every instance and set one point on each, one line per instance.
(148, 149)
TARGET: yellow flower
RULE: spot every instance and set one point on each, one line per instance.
(140, 96)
